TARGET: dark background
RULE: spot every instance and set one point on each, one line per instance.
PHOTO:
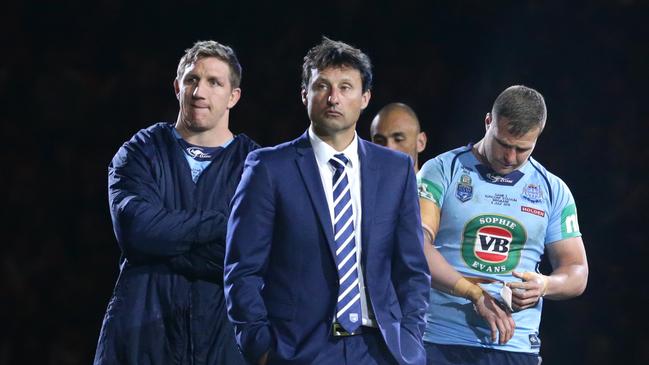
(79, 78)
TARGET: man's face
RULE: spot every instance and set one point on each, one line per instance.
(398, 130)
(504, 151)
(205, 94)
(334, 99)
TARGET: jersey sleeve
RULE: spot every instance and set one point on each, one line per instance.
(563, 222)
(432, 181)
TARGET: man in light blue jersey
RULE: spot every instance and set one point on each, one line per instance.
(492, 211)
(397, 127)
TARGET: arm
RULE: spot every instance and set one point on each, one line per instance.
(567, 280)
(143, 226)
(248, 245)
(410, 275)
(203, 262)
(447, 279)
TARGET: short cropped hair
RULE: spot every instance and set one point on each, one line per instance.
(202, 49)
(392, 107)
(330, 53)
(524, 108)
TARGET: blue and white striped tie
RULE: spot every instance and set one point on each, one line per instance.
(348, 308)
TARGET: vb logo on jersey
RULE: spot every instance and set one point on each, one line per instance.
(493, 243)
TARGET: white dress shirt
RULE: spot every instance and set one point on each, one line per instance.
(323, 153)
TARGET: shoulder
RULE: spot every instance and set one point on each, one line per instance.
(151, 133)
(445, 162)
(246, 142)
(280, 153)
(553, 180)
(144, 143)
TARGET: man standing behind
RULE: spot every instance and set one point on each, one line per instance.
(397, 127)
(169, 192)
(492, 211)
(319, 271)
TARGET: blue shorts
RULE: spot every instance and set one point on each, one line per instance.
(460, 355)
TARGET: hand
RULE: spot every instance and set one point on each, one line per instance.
(527, 293)
(500, 321)
(263, 359)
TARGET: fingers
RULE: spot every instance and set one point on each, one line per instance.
(505, 326)
(494, 330)
(519, 275)
(505, 333)
(500, 322)
(523, 303)
(527, 293)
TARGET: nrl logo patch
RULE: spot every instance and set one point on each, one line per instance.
(493, 243)
(464, 191)
(532, 193)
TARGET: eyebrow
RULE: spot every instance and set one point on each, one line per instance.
(502, 143)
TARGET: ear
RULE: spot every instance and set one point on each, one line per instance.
(303, 93)
(487, 121)
(177, 89)
(235, 95)
(367, 95)
(421, 142)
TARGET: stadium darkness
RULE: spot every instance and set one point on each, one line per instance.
(77, 79)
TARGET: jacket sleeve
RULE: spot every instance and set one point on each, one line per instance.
(247, 250)
(143, 226)
(410, 273)
(203, 262)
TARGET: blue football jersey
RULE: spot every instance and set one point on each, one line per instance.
(491, 225)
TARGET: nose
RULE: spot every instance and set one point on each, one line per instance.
(333, 98)
(198, 90)
(391, 144)
(510, 156)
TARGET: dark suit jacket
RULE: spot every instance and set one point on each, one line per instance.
(281, 282)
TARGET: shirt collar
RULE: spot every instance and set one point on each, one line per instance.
(324, 152)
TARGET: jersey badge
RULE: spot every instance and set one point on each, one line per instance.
(532, 193)
(464, 191)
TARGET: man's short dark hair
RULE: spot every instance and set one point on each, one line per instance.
(202, 49)
(330, 53)
(523, 107)
(392, 107)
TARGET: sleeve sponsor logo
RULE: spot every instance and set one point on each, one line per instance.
(569, 222)
(430, 191)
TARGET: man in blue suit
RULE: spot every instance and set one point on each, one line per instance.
(324, 255)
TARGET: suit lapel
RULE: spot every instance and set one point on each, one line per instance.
(369, 182)
(308, 167)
